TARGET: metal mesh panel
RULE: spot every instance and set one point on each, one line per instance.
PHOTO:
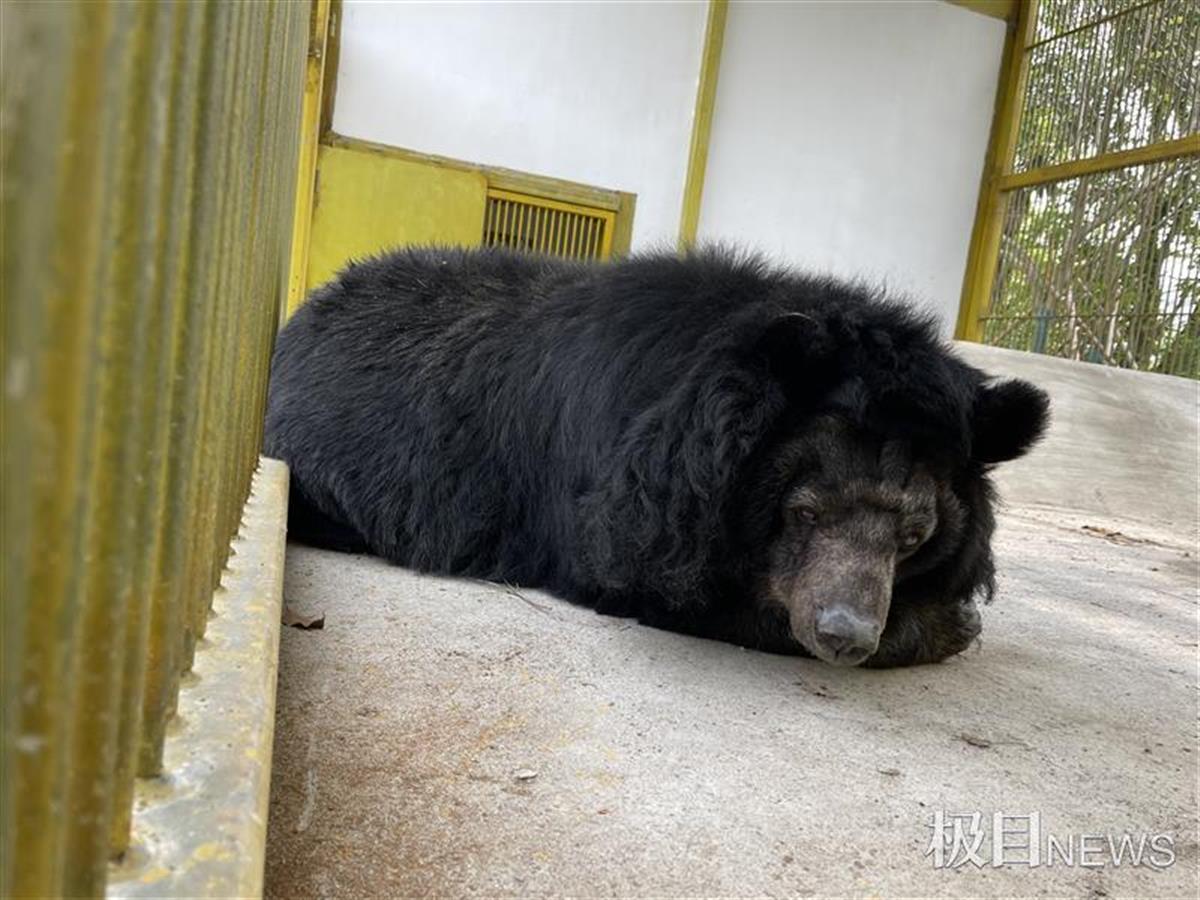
(1104, 268)
(1057, 17)
(1088, 237)
(1131, 79)
(539, 225)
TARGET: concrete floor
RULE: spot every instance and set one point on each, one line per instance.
(449, 738)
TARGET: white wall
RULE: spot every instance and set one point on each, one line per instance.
(849, 137)
(600, 93)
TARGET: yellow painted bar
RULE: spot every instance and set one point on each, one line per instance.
(615, 238)
(619, 238)
(219, 285)
(47, 268)
(1078, 168)
(984, 250)
(151, 155)
(333, 41)
(177, 77)
(310, 135)
(706, 98)
(498, 177)
(176, 579)
(124, 399)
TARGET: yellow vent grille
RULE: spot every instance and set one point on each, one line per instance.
(540, 225)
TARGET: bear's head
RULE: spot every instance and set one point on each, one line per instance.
(830, 467)
(873, 498)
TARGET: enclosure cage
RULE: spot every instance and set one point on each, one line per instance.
(1087, 242)
(171, 190)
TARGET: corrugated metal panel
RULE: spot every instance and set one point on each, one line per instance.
(149, 162)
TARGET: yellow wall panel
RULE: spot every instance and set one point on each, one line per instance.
(367, 202)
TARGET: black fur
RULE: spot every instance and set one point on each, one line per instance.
(603, 431)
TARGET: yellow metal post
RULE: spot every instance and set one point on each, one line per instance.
(984, 251)
(172, 197)
(108, 663)
(175, 579)
(49, 314)
(310, 136)
(1105, 162)
(706, 96)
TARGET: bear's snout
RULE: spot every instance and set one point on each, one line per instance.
(845, 638)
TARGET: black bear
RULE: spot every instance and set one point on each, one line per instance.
(706, 442)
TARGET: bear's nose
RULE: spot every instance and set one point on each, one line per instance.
(846, 637)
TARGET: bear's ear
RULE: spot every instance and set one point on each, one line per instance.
(799, 350)
(1009, 418)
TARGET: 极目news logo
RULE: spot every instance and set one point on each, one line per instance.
(1002, 839)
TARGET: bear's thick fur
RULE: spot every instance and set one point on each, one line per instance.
(633, 436)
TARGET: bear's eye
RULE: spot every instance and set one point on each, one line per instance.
(911, 540)
(805, 515)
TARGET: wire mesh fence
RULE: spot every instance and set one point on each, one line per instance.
(1099, 252)
(1058, 17)
(1128, 80)
(1104, 268)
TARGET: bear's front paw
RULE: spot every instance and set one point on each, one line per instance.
(927, 633)
(960, 627)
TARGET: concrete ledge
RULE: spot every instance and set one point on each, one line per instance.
(1121, 444)
(200, 830)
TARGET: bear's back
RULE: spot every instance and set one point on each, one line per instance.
(453, 406)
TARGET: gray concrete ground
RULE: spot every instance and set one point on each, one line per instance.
(449, 738)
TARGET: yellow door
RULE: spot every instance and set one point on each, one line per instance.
(367, 201)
